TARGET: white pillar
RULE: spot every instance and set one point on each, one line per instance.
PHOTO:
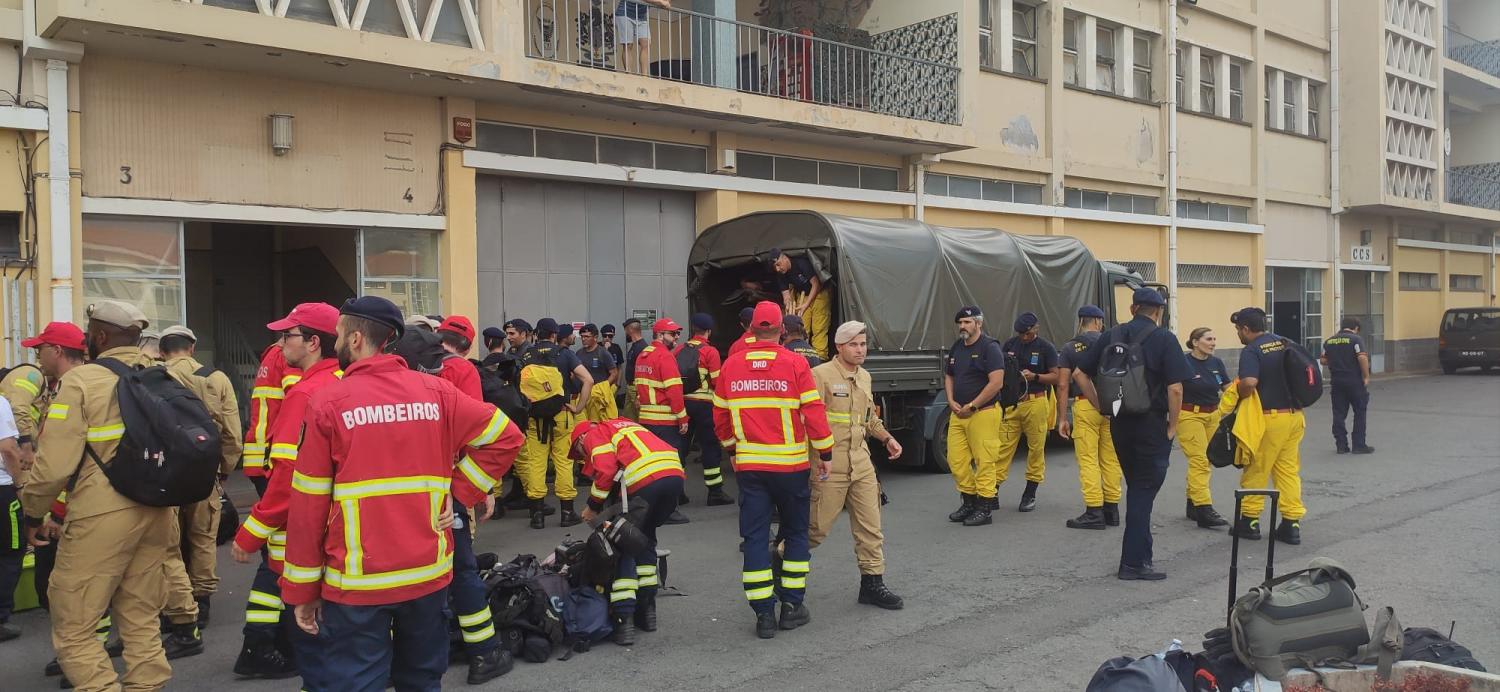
(1192, 77)
(1002, 32)
(1088, 51)
(1125, 62)
(1301, 105)
(1221, 86)
(1278, 93)
(60, 191)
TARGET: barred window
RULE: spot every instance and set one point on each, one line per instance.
(1472, 283)
(1418, 281)
(1147, 270)
(1213, 275)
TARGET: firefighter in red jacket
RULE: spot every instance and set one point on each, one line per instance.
(766, 409)
(306, 344)
(620, 450)
(367, 559)
(271, 382)
(457, 333)
(659, 385)
(700, 410)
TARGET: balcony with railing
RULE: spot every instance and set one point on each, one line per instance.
(1479, 54)
(907, 72)
(1475, 186)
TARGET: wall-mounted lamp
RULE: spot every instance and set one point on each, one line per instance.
(281, 133)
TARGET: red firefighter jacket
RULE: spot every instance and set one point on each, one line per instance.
(742, 344)
(766, 406)
(709, 363)
(659, 386)
(374, 473)
(459, 371)
(267, 522)
(622, 445)
(271, 383)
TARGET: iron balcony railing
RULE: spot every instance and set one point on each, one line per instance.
(697, 48)
(1480, 55)
(1473, 190)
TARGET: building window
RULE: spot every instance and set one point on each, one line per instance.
(1314, 97)
(1212, 211)
(976, 188)
(1147, 270)
(1236, 91)
(1208, 76)
(1181, 86)
(1023, 36)
(1418, 281)
(402, 266)
(1270, 110)
(136, 261)
(1431, 235)
(1141, 88)
(1469, 283)
(1104, 58)
(1071, 24)
(987, 34)
(1213, 275)
(520, 140)
(814, 172)
(1078, 198)
(1290, 91)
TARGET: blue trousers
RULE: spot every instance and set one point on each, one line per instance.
(667, 433)
(367, 648)
(701, 430)
(1347, 395)
(636, 579)
(466, 592)
(12, 549)
(790, 495)
(1144, 450)
(268, 619)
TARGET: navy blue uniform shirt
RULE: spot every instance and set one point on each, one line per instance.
(598, 362)
(1207, 382)
(1164, 359)
(804, 349)
(799, 277)
(1264, 359)
(971, 366)
(630, 356)
(1039, 356)
(1342, 350)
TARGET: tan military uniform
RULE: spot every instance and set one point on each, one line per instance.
(852, 484)
(193, 576)
(26, 390)
(111, 552)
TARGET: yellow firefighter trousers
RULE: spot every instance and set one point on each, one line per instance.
(1029, 418)
(601, 406)
(817, 319)
(531, 465)
(112, 562)
(1098, 466)
(1193, 433)
(858, 492)
(974, 451)
(1278, 460)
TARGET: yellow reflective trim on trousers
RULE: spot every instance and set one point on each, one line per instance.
(756, 576)
(355, 554)
(838, 417)
(760, 594)
(644, 570)
(263, 617)
(475, 619)
(617, 596)
(298, 574)
(624, 585)
(476, 637)
(267, 393)
(491, 431)
(105, 433)
(58, 411)
(311, 485)
(388, 580)
(476, 475)
(649, 581)
(795, 566)
(258, 529)
(793, 582)
(262, 598)
(595, 492)
(401, 485)
(641, 469)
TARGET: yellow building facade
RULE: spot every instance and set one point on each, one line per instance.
(227, 159)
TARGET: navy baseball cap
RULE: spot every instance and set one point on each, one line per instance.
(1025, 321)
(519, 325)
(746, 314)
(546, 326)
(701, 321)
(376, 309)
(1245, 312)
(607, 330)
(970, 311)
(630, 321)
(589, 329)
(1147, 296)
(792, 322)
(565, 330)
(1090, 311)
(493, 333)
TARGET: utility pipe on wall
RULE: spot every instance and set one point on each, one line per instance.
(1335, 191)
(60, 191)
(1172, 315)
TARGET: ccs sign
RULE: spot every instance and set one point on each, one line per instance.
(1361, 254)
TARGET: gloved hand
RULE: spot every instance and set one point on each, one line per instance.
(1218, 649)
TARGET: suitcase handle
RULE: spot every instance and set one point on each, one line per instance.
(1234, 547)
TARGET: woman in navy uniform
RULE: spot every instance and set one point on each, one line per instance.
(1198, 421)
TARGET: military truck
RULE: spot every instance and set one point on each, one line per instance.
(906, 279)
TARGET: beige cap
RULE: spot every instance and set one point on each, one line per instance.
(418, 320)
(179, 330)
(847, 331)
(119, 314)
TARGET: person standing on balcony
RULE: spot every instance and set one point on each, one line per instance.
(632, 29)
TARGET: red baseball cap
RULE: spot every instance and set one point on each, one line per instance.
(767, 314)
(64, 334)
(665, 324)
(583, 428)
(458, 324)
(319, 317)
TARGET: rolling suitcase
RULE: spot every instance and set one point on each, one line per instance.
(1234, 547)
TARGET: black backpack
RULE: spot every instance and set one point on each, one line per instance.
(1013, 387)
(687, 365)
(1304, 376)
(503, 395)
(1427, 644)
(1223, 445)
(422, 350)
(169, 455)
(1121, 378)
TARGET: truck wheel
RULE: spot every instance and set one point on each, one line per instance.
(937, 447)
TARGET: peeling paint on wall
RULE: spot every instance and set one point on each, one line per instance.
(487, 69)
(1145, 143)
(1019, 135)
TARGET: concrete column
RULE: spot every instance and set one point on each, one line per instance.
(1125, 62)
(715, 49)
(1088, 52)
(1192, 78)
(1301, 105)
(1221, 85)
(1002, 32)
(459, 261)
(1278, 100)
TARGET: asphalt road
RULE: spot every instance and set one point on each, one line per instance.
(1025, 604)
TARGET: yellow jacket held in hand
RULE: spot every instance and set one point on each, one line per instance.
(1249, 423)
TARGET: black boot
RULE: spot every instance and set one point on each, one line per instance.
(683, 499)
(1092, 518)
(645, 615)
(872, 591)
(794, 615)
(185, 640)
(1364, 449)
(765, 625)
(1246, 528)
(569, 517)
(538, 515)
(8, 631)
(981, 514)
(677, 517)
(1209, 518)
(964, 510)
(515, 498)
(624, 631)
(1028, 497)
(1111, 514)
(486, 667)
(261, 659)
(1289, 532)
(202, 611)
(1192, 510)
(717, 497)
